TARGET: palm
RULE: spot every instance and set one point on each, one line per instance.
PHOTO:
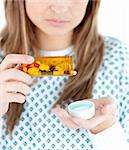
(104, 112)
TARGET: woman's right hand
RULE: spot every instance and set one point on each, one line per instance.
(14, 83)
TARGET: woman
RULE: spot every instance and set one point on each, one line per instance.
(59, 28)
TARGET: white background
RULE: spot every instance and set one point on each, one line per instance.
(113, 19)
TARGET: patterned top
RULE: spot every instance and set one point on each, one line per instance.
(40, 129)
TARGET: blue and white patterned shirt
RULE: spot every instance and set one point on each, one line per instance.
(40, 129)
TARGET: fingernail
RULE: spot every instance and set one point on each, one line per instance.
(30, 59)
(17, 66)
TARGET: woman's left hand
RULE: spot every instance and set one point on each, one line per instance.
(104, 116)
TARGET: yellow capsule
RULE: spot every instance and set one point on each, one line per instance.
(24, 69)
(38, 62)
(73, 72)
(37, 74)
(44, 67)
(57, 73)
(58, 68)
(64, 66)
(33, 71)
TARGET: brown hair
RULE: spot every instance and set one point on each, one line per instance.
(19, 35)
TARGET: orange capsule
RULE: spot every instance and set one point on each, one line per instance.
(28, 66)
(36, 65)
(31, 65)
(24, 65)
(24, 69)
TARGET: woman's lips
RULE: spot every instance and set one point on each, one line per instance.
(56, 22)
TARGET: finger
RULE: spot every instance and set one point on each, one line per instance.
(100, 103)
(109, 109)
(16, 87)
(14, 97)
(3, 108)
(15, 74)
(65, 118)
(89, 123)
(12, 59)
(106, 100)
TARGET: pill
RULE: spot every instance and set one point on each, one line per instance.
(52, 68)
(56, 66)
(44, 67)
(33, 71)
(58, 73)
(24, 69)
(36, 65)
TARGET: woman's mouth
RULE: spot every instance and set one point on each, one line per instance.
(56, 22)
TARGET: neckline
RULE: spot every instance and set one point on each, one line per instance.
(61, 52)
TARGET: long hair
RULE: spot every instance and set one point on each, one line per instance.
(18, 36)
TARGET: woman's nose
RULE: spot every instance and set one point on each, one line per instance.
(60, 6)
(59, 10)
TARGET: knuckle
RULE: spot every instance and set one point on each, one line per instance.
(3, 98)
(4, 108)
(8, 56)
(23, 88)
(2, 87)
(110, 99)
(13, 72)
(23, 74)
(28, 90)
(6, 97)
(21, 98)
(29, 79)
(20, 86)
(19, 89)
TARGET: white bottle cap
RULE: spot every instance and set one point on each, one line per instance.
(83, 109)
